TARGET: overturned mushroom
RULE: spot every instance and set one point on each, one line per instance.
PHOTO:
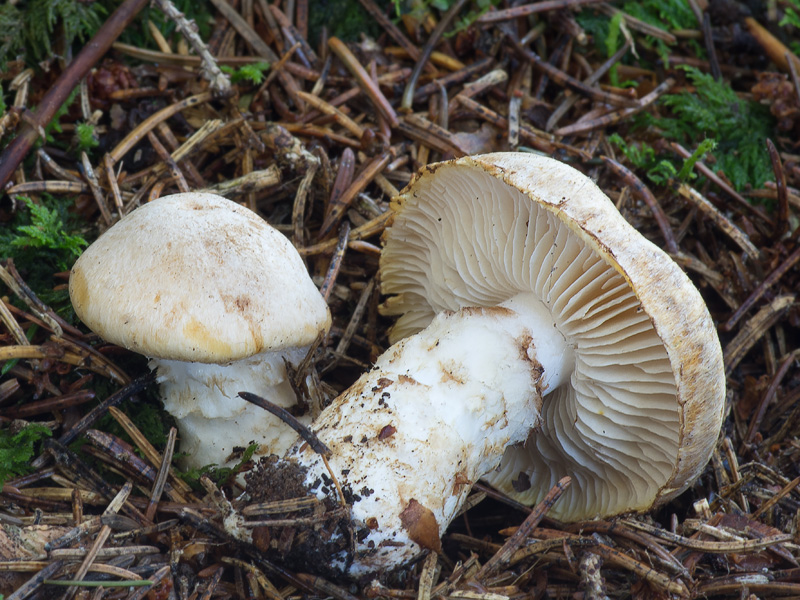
(218, 300)
(540, 336)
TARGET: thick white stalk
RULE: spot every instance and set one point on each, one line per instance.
(212, 419)
(435, 413)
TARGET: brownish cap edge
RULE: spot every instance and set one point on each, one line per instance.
(676, 309)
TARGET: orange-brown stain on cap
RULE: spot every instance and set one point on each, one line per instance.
(198, 334)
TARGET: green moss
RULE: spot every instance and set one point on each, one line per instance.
(43, 239)
(715, 121)
(739, 127)
(345, 19)
(254, 73)
(28, 28)
(17, 448)
(146, 412)
(87, 138)
(664, 14)
(658, 169)
(219, 475)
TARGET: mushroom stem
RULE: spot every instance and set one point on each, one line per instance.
(212, 418)
(433, 415)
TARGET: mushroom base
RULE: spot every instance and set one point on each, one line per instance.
(213, 420)
(412, 435)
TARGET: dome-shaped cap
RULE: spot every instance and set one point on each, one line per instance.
(641, 412)
(196, 277)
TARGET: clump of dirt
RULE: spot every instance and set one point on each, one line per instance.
(317, 535)
(275, 479)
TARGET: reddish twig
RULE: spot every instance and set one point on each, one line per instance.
(768, 282)
(529, 9)
(641, 190)
(91, 53)
(524, 530)
(567, 81)
(758, 413)
(780, 185)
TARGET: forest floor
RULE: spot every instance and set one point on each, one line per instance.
(687, 116)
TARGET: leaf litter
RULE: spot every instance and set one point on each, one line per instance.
(685, 113)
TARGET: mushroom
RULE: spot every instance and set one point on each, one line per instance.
(540, 335)
(217, 299)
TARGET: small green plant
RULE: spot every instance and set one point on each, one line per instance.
(686, 173)
(17, 448)
(478, 8)
(54, 126)
(657, 169)
(791, 17)
(713, 110)
(642, 156)
(42, 241)
(712, 118)
(612, 44)
(253, 73)
(86, 136)
(218, 475)
(46, 231)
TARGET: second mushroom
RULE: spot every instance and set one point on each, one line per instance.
(540, 335)
(218, 300)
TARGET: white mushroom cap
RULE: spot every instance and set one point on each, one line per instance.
(196, 277)
(640, 414)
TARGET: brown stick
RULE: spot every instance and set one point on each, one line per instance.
(284, 415)
(532, 520)
(774, 49)
(529, 9)
(740, 200)
(66, 82)
(780, 186)
(337, 209)
(618, 115)
(762, 288)
(567, 81)
(433, 40)
(758, 414)
(369, 87)
(336, 261)
(754, 330)
(392, 29)
(647, 196)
